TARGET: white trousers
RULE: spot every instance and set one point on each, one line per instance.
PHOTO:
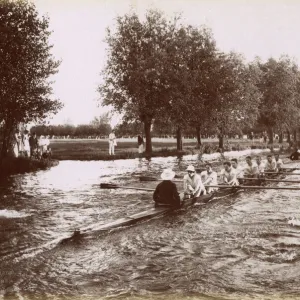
(111, 149)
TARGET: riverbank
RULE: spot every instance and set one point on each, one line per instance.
(19, 165)
(87, 149)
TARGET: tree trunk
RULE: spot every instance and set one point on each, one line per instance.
(281, 137)
(221, 139)
(288, 136)
(179, 138)
(198, 135)
(295, 136)
(4, 145)
(147, 128)
(271, 135)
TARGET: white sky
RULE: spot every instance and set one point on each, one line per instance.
(254, 28)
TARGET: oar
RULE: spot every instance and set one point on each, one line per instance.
(282, 173)
(271, 180)
(114, 186)
(149, 178)
(254, 187)
(292, 169)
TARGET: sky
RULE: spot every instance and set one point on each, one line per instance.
(253, 28)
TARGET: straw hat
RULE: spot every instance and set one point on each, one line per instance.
(191, 168)
(167, 174)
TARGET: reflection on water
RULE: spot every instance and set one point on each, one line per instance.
(241, 245)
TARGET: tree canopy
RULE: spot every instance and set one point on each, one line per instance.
(160, 71)
(26, 67)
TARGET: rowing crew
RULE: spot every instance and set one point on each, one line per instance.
(194, 184)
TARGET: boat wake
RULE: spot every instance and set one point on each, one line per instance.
(294, 222)
(12, 214)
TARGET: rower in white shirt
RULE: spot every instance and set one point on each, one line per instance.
(271, 165)
(237, 168)
(279, 162)
(192, 184)
(228, 174)
(260, 166)
(251, 169)
(209, 177)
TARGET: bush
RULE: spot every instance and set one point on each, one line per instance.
(18, 165)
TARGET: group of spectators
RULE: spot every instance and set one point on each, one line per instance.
(29, 145)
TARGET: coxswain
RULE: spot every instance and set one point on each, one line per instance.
(251, 169)
(229, 175)
(166, 191)
(192, 184)
(209, 177)
(270, 165)
(260, 166)
(279, 162)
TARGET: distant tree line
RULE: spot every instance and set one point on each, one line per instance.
(99, 127)
(161, 71)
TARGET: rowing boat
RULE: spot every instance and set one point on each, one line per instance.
(155, 212)
(142, 216)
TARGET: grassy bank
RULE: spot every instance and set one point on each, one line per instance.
(85, 149)
(19, 165)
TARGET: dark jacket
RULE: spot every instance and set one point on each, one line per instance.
(140, 140)
(295, 155)
(166, 193)
(33, 142)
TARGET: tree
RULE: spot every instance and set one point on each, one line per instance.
(26, 65)
(280, 89)
(200, 63)
(129, 129)
(102, 124)
(134, 77)
(234, 95)
(188, 63)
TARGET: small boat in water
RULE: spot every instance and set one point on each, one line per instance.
(160, 210)
(154, 212)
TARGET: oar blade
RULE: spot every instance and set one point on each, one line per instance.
(148, 178)
(108, 186)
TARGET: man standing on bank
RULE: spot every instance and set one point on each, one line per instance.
(140, 144)
(166, 192)
(111, 143)
(193, 186)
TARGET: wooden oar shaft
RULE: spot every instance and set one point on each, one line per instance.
(254, 187)
(113, 186)
(282, 173)
(271, 180)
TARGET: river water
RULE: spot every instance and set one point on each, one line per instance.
(239, 247)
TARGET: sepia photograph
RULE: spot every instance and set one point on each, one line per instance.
(149, 149)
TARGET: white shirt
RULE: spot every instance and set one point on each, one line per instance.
(209, 178)
(271, 166)
(111, 137)
(229, 177)
(239, 172)
(279, 163)
(261, 167)
(193, 185)
(251, 170)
